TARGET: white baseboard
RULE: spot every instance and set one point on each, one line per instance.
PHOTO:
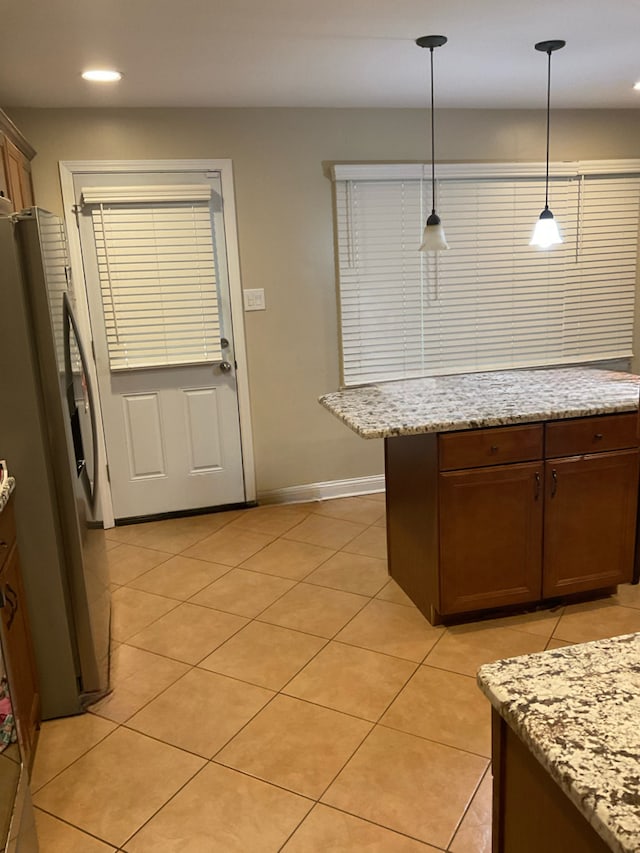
(323, 491)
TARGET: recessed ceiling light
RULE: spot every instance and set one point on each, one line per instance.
(102, 76)
(637, 86)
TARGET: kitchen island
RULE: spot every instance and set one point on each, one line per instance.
(505, 488)
(566, 748)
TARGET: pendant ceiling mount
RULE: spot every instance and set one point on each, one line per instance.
(550, 46)
(433, 238)
(431, 41)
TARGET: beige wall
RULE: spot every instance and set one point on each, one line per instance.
(285, 229)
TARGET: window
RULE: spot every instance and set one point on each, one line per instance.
(491, 302)
(158, 274)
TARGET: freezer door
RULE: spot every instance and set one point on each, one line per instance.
(63, 373)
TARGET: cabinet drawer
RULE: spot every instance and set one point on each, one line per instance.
(479, 448)
(7, 531)
(591, 435)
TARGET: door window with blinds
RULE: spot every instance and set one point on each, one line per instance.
(158, 274)
(492, 301)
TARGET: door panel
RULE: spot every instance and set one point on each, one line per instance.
(203, 430)
(144, 436)
(172, 432)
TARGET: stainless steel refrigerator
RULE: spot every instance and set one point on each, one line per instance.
(48, 438)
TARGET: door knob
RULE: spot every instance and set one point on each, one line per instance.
(225, 366)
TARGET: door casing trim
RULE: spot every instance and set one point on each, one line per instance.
(68, 169)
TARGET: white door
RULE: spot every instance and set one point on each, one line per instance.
(153, 248)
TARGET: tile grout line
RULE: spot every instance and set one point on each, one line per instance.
(372, 823)
(172, 797)
(469, 804)
(74, 826)
(76, 759)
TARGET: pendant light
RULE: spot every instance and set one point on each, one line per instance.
(546, 232)
(433, 239)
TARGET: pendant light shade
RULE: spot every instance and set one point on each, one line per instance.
(546, 232)
(433, 239)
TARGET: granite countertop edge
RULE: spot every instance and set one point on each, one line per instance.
(6, 490)
(618, 824)
(479, 423)
(469, 401)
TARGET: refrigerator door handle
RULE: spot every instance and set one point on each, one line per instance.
(71, 327)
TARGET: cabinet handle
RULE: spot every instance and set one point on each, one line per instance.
(537, 492)
(598, 436)
(494, 448)
(554, 485)
(3, 544)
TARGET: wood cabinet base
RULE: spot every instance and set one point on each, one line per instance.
(517, 526)
(531, 813)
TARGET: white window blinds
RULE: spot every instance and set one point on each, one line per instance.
(158, 280)
(491, 301)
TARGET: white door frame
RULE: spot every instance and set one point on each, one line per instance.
(69, 168)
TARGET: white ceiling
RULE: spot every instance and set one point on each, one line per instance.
(318, 53)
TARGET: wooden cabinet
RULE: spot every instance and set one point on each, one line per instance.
(491, 518)
(16, 639)
(15, 166)
(18, 176)
(554, 825)
(490, 537)
(590, 521)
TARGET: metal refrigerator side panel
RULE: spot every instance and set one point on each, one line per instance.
(44, 260)
(24, 444)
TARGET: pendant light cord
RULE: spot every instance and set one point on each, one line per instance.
(433, 151)
(546, 189)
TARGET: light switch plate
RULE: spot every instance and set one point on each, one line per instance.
(254, 299)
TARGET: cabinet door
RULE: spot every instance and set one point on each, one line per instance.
(26, 184)
(13, 170)
(19, 656)
(590, 519)
(490, 537)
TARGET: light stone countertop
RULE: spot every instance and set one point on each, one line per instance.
(475, 400)
(5, 491)
(578, 710)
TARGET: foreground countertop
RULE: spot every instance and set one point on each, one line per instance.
(475, 400)
(578, 711)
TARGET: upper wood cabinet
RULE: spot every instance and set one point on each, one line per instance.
(15, 168)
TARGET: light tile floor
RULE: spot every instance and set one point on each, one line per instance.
(274, 690)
